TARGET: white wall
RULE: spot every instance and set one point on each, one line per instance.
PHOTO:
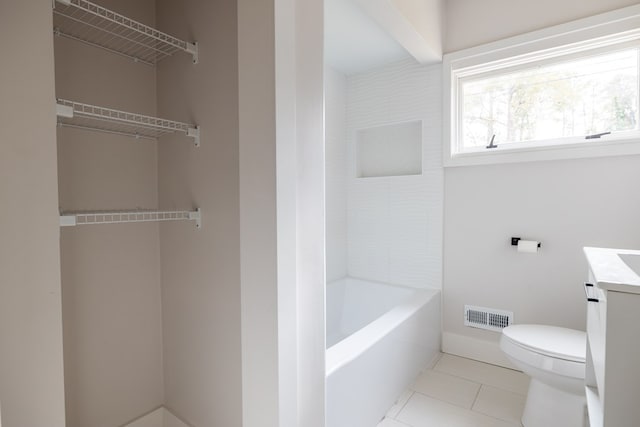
(243, 298)
(258, 213)
(281, 212)
(200, 269)
(565, 204)
(471, 22)
(300, 156)
(395, 223)
(336, 172)
(31, 371)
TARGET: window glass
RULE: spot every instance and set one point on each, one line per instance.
(591, 94)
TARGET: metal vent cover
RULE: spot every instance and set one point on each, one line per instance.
(487, 318)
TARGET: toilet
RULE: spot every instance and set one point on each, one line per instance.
(554, 358)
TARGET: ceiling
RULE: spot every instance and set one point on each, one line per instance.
(354, 43)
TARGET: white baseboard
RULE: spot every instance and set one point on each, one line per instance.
(161, 417)
(474, 348)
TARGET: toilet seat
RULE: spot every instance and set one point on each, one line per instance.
(552, 341)
(549, 348)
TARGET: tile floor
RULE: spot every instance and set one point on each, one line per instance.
(459, 392)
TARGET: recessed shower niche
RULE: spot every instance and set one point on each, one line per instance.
(389, 150)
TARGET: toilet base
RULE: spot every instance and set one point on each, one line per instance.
(551, 407)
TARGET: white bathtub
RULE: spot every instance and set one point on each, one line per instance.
(379, 338)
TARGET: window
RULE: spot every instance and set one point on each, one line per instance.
(570, 98)
(569, 91)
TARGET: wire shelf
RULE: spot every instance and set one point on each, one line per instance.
(95, 25)
(70, 219)
(84, 116)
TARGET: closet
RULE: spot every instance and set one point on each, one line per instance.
(139, 290)
(101, 28)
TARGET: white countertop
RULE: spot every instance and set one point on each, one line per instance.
(610, 271)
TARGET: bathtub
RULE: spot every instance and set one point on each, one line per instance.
(379, 338)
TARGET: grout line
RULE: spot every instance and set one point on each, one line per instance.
(449, 402)
(397, 421)
(477, 382)
(446, 401)
(407, 401)
(491, 415)
(455, 356)
(412, 392)
(476, 398)
(457, 376)
(405, 404)
(432, 364)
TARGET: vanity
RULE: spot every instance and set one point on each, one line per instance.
(613, 337)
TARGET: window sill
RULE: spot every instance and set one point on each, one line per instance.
(506, 154)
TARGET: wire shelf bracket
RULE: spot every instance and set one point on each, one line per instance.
(71, 219)
(89, 23)
(84, 116)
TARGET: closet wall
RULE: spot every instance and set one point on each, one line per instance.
(110, 273)
(152, 311)
(31, 382)
(201, 268)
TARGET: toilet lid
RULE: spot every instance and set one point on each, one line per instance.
(553, 341)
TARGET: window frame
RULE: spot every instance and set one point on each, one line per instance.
(600, 33)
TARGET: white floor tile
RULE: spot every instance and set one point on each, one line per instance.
(423, 411)
(496, 376)
(388, 422)
(499, 403)
(400, 402)
(448, 388)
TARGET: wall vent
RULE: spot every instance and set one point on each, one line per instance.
(487, 318)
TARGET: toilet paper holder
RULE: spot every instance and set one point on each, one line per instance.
(515, 240)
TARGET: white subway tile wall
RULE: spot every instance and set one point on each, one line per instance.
(394, 223)
(336, 173)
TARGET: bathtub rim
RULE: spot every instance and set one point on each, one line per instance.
(342, 353)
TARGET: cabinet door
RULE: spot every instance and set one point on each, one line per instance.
(621, 395)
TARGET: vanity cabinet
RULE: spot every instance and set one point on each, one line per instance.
(613, 338)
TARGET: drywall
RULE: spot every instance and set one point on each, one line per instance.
(335, 105)
(414, 24)
(565, 204)
(239, 347)
(282, 244)
(110, 273)
(200, 269)
(354, 42)
(300, 208)
(303, 47)
(31, 366)
(258, 213)
(471, 22)
(426, 19)
(395, 222)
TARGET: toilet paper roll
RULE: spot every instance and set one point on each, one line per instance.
(528, 246)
